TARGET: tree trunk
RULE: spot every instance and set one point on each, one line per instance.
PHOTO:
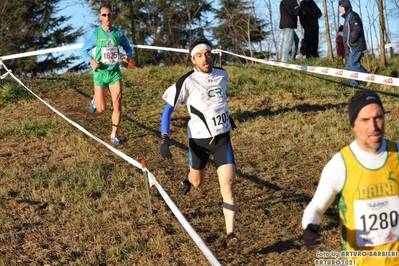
(328, 36)
(383, 62)
(136, 56)
(272, 32)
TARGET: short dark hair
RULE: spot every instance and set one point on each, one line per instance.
(199, 41)
(106, 6)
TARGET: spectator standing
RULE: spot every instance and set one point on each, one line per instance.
(354, 40)
(339, 41)
(309, 16)
(289, 11)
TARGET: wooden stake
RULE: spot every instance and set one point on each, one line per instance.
(147, 191)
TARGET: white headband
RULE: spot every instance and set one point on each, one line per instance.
(200, 47)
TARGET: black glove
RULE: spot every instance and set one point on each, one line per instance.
(311, 234)
(165, 152)
(233, 125)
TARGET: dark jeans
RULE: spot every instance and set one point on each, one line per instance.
(312, 43)
(353, 64)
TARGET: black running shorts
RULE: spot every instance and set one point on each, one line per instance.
(200, 150)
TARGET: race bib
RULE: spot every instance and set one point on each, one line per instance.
(217, 119)
(376, 221)
(109, 55)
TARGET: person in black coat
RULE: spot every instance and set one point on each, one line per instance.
(309, 15)
(289, 11)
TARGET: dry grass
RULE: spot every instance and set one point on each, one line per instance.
(66, 199)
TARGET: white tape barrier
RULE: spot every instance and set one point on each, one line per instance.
(5, 74)
(151, 180)
(327, 71)
(208, 254)
(40, 52)
(318, 70)
(121, 154)
(392, 44)
(79, 45)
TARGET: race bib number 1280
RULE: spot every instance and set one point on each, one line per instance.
(377, 221)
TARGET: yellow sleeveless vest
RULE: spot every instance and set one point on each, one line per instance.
(369, 210)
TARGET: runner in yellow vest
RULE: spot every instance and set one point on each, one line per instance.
(365, 177)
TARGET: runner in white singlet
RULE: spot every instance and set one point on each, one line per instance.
(203, 90)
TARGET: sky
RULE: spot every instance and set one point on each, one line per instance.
(81, 15)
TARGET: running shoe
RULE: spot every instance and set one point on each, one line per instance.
(231, 241)
(185, 186)
(92, 107)
(115, 140)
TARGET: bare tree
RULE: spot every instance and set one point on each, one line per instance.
(369, 33)
(333, 13)
(273, 28)
(387, 34)
(192, 12)
(328, 36)
(383, 62)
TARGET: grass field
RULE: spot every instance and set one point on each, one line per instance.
(65, 199)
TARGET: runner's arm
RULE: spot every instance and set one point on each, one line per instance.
(166, 118)
(331, 183)
(126, 46)
(88, 45)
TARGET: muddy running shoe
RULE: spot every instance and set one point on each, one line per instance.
(115, 140)
(231, 241)
(185, 186)
(92, 107)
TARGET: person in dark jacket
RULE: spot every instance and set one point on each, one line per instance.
(354, 40)
(309, 16)
(339, 41)
(289, 11)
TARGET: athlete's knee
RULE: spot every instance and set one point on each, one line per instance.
(195, 179)
(195, 184)
(100, 109)
(227, 190)
(117, 102)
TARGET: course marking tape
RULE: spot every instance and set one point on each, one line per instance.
(80, 45)
(311, 69)
(392, 44)
(328, 71)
